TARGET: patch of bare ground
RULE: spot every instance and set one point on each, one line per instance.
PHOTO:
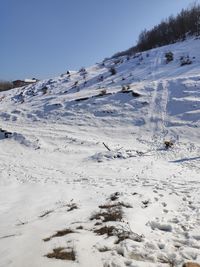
(108, 230)
(62, 253)
(112, 205)
(111, 211)
(121, 233)
(111, 214)
(59, 234)
(79, 227)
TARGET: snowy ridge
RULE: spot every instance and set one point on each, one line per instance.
(169, 92)
(85, 173)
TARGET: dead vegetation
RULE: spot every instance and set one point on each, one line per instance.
(106, 230)
(113, 212)
(166, 260)
(72, 206)
(104, 249)
(114, 196)
(121, 232)
(21, 223)
(46, 213)
(113, 205)
(103, 92)
(80, 227)
(7, 236)
(62, 253)
(5, 133)
(59, 234)
(168, 144)
(110, 215)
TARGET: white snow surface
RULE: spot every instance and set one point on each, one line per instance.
(82, 149)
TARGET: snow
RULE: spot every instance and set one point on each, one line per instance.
(92, 148)
(30, 80)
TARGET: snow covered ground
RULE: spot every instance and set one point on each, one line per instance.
(85, 175)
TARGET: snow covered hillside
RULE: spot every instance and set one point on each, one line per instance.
(169, 93)
(85, 178)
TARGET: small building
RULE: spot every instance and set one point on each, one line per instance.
(31, 80)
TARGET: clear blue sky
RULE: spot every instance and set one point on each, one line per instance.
(44, 38)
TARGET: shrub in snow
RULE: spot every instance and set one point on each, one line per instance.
(76, 83)
(112, 71)
(169, 56)
(185, 60)
(103, 92)
(44, 90)
(117, 61)
(100, 79)
(83, 71)
(168, 144)
(126, 88)
(4, 134)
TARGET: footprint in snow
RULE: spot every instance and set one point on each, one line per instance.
(160, 226)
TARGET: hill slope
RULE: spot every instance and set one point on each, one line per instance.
(170, 94)
(85, 176)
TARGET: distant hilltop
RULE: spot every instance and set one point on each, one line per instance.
(7, 85)
(20, 83)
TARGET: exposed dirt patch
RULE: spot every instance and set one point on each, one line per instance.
(111, 214)
(112, 205)
(108, 230)
(79, 227)
(121, 233)
(62, 254)
(59, 233)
